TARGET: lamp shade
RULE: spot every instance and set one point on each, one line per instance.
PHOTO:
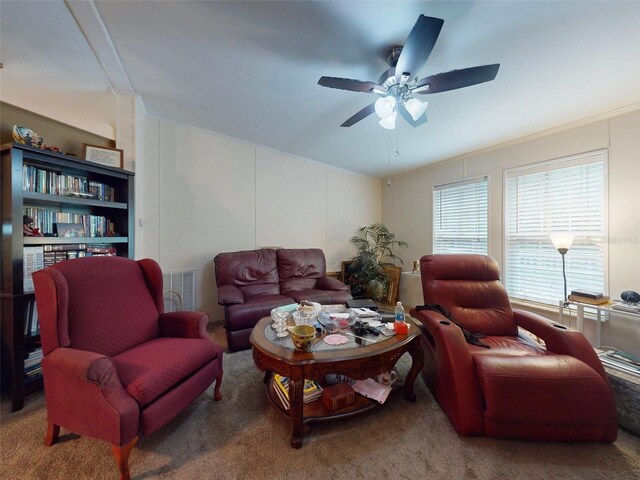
(385, 106)
(415, 108)
(389, 122)
(562, 241)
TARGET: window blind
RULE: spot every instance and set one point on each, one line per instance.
(460, 217)
(557, 197)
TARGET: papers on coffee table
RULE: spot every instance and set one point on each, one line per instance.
(364, 312)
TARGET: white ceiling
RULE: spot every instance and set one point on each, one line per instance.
(250, 69)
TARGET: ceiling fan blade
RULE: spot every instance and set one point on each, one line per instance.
(347, 84)
(365, 112)
(419, 45)
(466, 77)
(422, 119)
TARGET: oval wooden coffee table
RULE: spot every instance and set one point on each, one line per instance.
(359, 359)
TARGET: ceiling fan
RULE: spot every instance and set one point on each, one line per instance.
(397, 85)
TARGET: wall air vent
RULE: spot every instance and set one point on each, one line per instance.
(179, 290)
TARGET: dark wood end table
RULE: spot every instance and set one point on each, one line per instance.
(359, 359)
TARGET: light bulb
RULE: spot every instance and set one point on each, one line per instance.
(415, 108)
(384, 106)
(389, 122)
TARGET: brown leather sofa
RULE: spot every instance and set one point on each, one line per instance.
(253, 282)
(515, 388)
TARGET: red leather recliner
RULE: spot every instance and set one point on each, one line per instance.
(114, 364)
(515, 388)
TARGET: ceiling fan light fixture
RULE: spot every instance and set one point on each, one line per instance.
(389, 122)
(416, 108)
(385, 106)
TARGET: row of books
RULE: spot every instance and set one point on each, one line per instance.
(38, 257)
(621, 361)
(33, 365)
(311, 390)
(39, 180)
(47, 220)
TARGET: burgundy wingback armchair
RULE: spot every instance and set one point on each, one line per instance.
(515, 388)
(115, 366)
(253, 282)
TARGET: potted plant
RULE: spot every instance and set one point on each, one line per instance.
(366, 273)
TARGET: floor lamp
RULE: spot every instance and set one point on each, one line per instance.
(562, 241)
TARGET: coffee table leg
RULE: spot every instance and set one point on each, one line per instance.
(417, 357)
(297, 406)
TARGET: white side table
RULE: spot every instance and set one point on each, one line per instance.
(603, 314)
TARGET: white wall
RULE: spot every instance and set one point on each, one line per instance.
(206, 193)
(407, 204)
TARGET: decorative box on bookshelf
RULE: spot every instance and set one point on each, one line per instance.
(95, 204)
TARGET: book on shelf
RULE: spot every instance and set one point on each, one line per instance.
(621, 361)
(101, 249)
(60, 247)
(627, 307)
(284, 400)
(311, 390)
(31, 324)
(589, 300)
(587, 293)
(33, 260)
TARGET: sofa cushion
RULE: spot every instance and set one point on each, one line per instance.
(151, 369)
(300, 268)
(321, 296)
(254, 272)
(247, 314)
(541, 389)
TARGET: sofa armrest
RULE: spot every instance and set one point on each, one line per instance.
(560, 339)
(229, 295)
(85, 394)
(330, 283)
(184, 325)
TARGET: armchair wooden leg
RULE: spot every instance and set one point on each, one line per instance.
(121, 454)
(53, 432)
(216, 391)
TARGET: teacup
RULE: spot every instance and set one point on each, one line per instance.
(387, 378)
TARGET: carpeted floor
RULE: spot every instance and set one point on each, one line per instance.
(242, 437)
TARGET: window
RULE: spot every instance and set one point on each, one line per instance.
(460, 217)
(567, 195)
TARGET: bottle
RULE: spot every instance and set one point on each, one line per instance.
(399, 325)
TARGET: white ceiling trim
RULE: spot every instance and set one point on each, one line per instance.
(88, 19)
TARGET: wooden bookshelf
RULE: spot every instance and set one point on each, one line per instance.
(16, 303)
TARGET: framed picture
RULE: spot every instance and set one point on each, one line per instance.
(393, 290)
(110, 157)
(70, 229)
